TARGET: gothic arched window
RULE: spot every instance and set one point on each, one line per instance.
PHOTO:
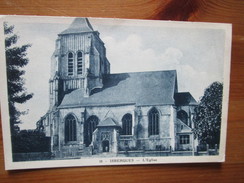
(90, 126)
(182, 115)
(79, 62)
(70, 128)
(153, 122)
(70, 64)
(127, 124)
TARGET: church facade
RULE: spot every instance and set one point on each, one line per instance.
(94, 112)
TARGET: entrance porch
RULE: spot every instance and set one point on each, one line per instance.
(106, 137)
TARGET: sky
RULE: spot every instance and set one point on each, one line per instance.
(196, 52)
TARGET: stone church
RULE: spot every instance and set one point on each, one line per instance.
(94, 112)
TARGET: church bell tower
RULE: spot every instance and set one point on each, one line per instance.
(78, 62)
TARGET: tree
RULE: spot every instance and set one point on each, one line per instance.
(15, 61)
(207, 119)
(30, 141)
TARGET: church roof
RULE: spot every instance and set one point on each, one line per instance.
(140, 88)
(108, 122)
(79, 25)
(184, 98)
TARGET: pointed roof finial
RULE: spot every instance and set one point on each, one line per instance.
(79, 25)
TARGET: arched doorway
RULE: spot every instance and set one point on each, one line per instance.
(90, 126)
(105, 145)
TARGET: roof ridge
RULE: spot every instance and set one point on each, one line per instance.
(108, 122)
(183, 92)
(174, 70)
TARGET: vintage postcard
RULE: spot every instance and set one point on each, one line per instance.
(94, 91)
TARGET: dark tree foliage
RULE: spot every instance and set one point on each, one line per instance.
(15, 61)
(207, 117)
(26, 141)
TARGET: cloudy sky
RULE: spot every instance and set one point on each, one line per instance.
(195, 51)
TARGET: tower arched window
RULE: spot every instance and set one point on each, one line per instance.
(70, 128)
(70, 64)
(90, 126)
(79, 62)
(153, 122)
(127, 124)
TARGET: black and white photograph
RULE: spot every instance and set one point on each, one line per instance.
(99, 91)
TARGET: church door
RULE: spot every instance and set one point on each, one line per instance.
(105, 145)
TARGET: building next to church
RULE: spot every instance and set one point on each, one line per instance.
(94, 112)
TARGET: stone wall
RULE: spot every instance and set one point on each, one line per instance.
(139, 138)
(166, 132)
(73, 43)
(103, 112)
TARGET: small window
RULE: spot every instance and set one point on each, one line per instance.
(79, 63)
(70, 64)
(184, 139)
(101, 64)
(51, 87)
(47, 120)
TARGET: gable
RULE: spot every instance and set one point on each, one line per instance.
(108, 122)
(182, 127)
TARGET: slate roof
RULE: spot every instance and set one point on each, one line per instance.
(108, 122)
(140, 88)
(184, 98)
(79, 25)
